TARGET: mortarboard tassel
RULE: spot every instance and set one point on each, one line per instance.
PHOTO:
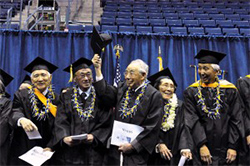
(71, 74)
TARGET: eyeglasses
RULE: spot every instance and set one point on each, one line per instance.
(83, 75)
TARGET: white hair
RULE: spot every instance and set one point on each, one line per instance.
(216, 67)
(143, 67)
(33, 74)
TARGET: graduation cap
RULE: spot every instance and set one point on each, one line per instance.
(99, 41)
(156, 78)
(40, 64)
(81, 63)
(26, 79)
(5, 77)
(207, 56)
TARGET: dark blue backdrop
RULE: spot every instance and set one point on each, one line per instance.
(18, 48)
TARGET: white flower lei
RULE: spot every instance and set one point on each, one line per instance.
(169, 117)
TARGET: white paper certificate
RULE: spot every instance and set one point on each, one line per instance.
(124, 133)
(36, 156)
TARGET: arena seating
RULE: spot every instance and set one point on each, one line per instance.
(5, 5)
(184, 17)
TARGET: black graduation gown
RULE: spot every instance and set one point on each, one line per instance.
(243, 85)
(5, 130)
(20, 143)
(148, 116)
(68, 123)
(175, 139)
(218, 134)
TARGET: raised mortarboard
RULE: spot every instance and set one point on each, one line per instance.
(5, 77)
(99, 41)
(155, 78)
(81, 63)
(40, 64)
(26, 79)
(207, 56)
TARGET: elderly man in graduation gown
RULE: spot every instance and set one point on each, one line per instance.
(136, 102)
(174, 139)
(5, 109)
(82, 112)
(243, 85)
(213, 114)
(34, 108)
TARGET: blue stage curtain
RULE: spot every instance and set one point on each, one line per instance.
(18, 48)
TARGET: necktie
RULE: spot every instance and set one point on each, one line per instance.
(83, 95)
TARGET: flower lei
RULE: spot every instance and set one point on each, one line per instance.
(86, 114)
(40, 113)
(213, 113)
(169, 114)
(130, 112)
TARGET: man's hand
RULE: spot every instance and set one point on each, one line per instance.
(126, 148)
(24, 86)
(90, 139)
(28, 125)
(187, 154)
(205, 154)
(97, 61)
(248, 140)
(231, 155)
(165, 152)
(69, 141)
(47, 149)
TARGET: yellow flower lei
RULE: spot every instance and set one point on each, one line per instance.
(130, 112)
(169, 114)
(86, 114)
(36, 112)
(213, 113)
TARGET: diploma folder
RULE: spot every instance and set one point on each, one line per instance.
(79, 137)
(124, 133)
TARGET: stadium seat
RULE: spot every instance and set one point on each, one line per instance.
(226, 11)
(109, 14)
(140, 15)
(191, 23)
(160, 29)
(186, 16)
(139, 21)
(242, 24)
(107, 21)
(157, 22)
(245, 17)
(124, 21)
(144, 29)
(225, 23)
(232, 16)
(204, 16)
(207, 23)
(155, 15)
(196, 31)
(213, 31)
(126, 29)
(179, 30)
(245, 31)
(109, 28)
(73, 27)
(173, 23)
(124, 14)
(230, 31)
(217, 16)
(171, 15)
(88, 28)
